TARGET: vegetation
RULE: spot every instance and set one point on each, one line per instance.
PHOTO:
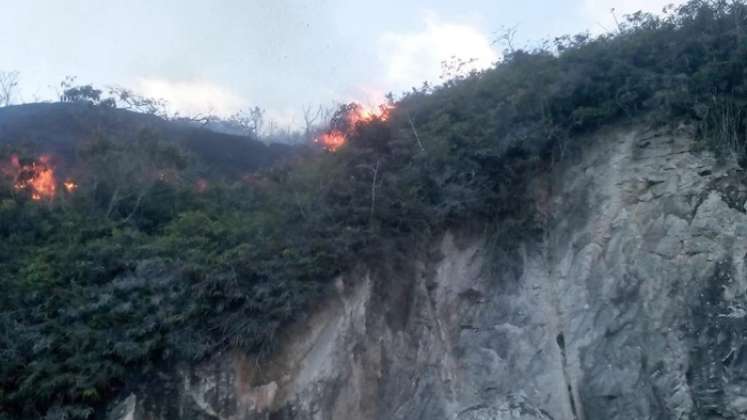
(251, 123)
(8, 86)
(142, 266)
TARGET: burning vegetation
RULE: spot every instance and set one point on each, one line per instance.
(347, 119)
(242, 263)
(70, 185)
(35, 177)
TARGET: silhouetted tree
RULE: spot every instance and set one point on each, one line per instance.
(8, 85)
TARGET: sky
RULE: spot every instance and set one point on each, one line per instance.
(224, 56)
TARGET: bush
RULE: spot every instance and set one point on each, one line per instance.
(139, 269)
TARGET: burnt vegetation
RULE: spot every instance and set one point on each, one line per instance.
(139, 268)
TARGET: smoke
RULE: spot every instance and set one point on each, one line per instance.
(415, 57)
(192, 97)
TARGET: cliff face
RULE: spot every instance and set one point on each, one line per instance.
(631, 306)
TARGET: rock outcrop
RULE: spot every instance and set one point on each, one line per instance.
(631, 305)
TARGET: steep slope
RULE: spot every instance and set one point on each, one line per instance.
(586, 274)
(631, 306)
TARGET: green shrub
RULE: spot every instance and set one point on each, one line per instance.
(138, 269)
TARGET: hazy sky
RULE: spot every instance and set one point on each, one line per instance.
(227, 55)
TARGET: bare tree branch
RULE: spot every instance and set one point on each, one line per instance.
(8, 85)
(506, 37)
(415, 132)
(310, 119)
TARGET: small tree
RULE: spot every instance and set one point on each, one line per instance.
(83, 94)
(128, 99)
(257, 119)
(8, 85)
(120, 176)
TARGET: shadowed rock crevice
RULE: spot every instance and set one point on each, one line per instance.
(560, 339)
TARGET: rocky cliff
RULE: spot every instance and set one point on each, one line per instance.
(630, 306)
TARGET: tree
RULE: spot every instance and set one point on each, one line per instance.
(257, 118)
(316, 120)
(8, 85)
(121, 176)
(128, 99)
(83, 94)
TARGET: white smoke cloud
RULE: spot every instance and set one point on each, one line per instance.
(414, 57)
(191, 97)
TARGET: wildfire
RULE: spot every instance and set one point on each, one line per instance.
(332, 140)
(70, 185)
(354, 114)
(358, 113)
(36, 178)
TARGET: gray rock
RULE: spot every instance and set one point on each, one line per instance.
(633, 305)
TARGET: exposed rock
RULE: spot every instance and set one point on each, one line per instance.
(632, 305)
(126, 409)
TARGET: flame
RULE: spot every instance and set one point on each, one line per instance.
(37, 178)
(43, 183)
(70, 185)
(361, 114)
(332, 140)
(357, 114)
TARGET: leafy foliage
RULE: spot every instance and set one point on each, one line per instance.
(140, 268)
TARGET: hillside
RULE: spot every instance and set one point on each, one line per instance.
(60, 128)
(630, 305)
(593, 186)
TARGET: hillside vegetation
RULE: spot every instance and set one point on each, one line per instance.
(139, 269)
(61, 128)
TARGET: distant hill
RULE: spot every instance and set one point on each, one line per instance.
(57, 128)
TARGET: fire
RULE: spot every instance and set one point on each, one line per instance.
(359, 114)
(43, 183)
(70, 186)
(354, 114)
(37, 178)
(332, 140)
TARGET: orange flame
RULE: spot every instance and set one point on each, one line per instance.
(70, 185)
(37, 178)
(332, 140)
(357, 114)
